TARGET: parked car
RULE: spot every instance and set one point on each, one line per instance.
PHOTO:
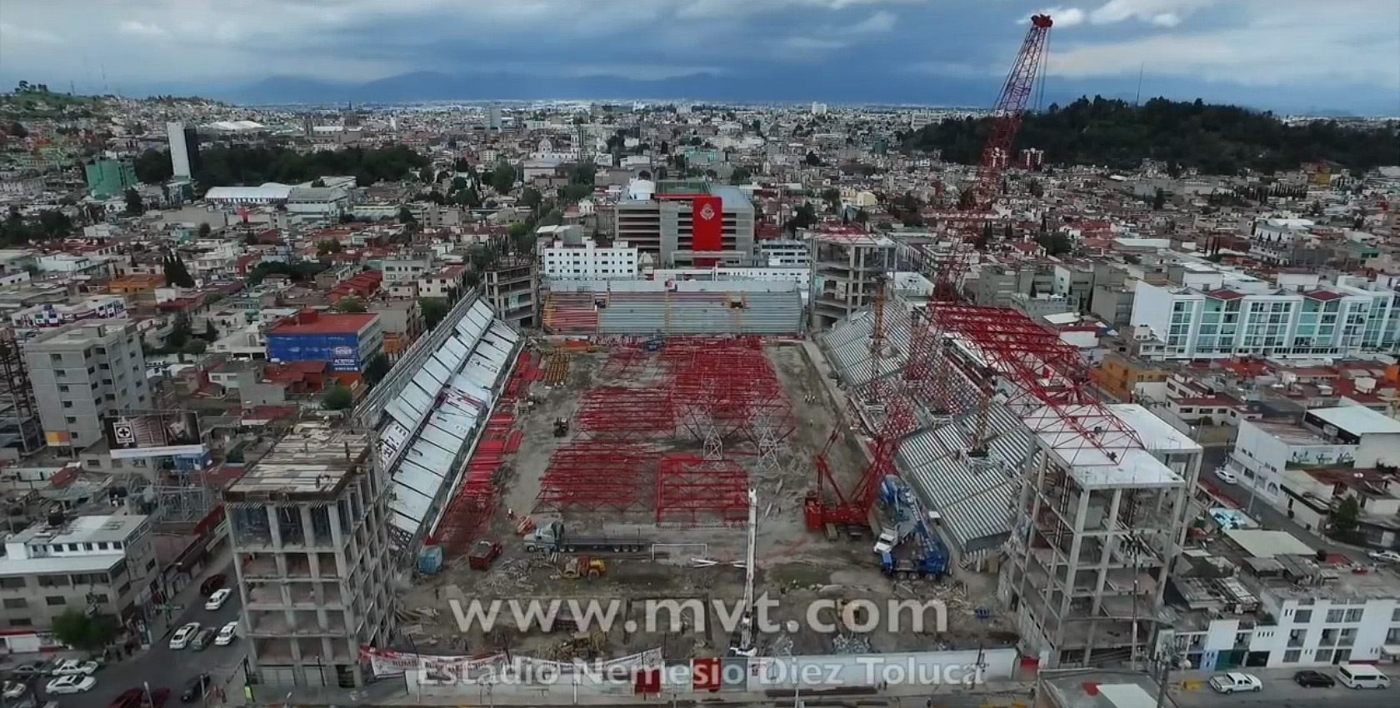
(203, 639)
(218, 599)
(30, 669)
(1362, 676)
(183, 635)
(130, 698)
(74, 667)
(1226, 475)
(74, 683)
(1236, 682)
(227, 634)
(196, 688)
(1314, 679)
(212, 583)
(14, 689)
(1385, 556)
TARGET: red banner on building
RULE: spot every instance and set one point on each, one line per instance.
(707, 215)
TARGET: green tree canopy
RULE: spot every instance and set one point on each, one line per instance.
(1214, 139)
(433, 309)
(84, 632)
(377, 369)
(351, 304)
(134, 205)
(338, 398)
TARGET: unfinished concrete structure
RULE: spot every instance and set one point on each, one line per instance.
(510, 286)
(1095, 537)
(848, 268)
(309, 529)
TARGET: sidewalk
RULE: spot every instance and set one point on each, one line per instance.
(393, 692)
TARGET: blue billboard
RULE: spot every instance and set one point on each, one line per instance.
(342, 351)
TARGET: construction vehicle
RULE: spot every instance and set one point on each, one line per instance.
(908, 548)
(585, 567)
(653, 344)
(561, 427)
(551, 537)
(482, 553)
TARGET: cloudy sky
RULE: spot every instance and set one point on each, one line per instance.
(1291, 54)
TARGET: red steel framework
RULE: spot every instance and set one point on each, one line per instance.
(701, 388)
(694, 490)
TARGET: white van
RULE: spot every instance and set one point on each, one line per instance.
(1362, 676)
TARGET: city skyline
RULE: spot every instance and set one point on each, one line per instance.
(1288, 55)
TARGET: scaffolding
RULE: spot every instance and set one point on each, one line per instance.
(20, 428)
(694, 491)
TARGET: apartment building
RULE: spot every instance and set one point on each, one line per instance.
(1262, 599)
(1248, 318)
(1340, 437)
(105, 564)
(560, 260)
(511, 286)
(309, 530)
(83, 372)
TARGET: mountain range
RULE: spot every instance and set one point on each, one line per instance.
(834, 85)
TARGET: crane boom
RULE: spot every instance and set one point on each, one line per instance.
(897, 392)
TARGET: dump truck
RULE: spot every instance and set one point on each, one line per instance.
(482, 553)
(552, 537)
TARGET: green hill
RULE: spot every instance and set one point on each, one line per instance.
(1214, 139)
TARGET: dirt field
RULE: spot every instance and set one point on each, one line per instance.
(794, 566)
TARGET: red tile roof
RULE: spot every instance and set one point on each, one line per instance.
(313, 322)
(1323, 295)
(1224, 294)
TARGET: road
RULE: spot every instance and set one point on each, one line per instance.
(167, 668)
(1260, 510)
(1281, 692)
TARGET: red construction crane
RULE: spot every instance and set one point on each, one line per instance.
(827, 504)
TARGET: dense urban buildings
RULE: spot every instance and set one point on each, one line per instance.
(354, 364)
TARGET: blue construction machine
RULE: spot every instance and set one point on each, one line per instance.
(907, 547)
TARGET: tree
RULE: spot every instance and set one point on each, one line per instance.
(210, 332)
(153, 166)
(175, 271)
(134, 205)
(194, 347)
(805, 217)
(204, 230)
(351, 304)
(1345, 518)
(179, 331)
(377, 369)
(1055, 243)
(832, 197)
(83, 631)
(531, 197)
(966, 198)
(434, 309)
(328, 246)
(338, 398)
(318, 183)
(1009, 234)
(405, 215)
(1159, 200)
(502, 178)
(985, 239)
(1036, 189)
(740, 175)
(813, 159)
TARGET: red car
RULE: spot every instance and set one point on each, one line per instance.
(136, 698)
(483, 552)
(212, 583)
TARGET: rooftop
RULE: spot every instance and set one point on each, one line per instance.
(313, 461)
(313, 322)
(81, 529)
(1357, 420)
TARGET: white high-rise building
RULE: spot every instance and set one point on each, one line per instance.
(184, 149)
(1246, 317)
